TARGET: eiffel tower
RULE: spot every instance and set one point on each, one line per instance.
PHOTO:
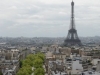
(72, 37)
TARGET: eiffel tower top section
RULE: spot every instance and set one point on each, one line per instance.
(72, 3)
(72, 16)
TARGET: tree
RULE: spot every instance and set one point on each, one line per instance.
(1, 73)
(20, 63)
(32, 60)
(26, 70)
(27, 62)
(38, 62)
(31, 57)
(41, 55)
(39, 71)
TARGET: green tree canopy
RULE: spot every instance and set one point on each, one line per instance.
(38, 62)
(26, 70)
(39, 71)
(41, 55)
(32, 60)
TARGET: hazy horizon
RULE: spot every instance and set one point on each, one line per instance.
(45, 37)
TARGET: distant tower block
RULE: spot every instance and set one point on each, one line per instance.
(72, 37)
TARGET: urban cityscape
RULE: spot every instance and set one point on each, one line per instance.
(60, 48)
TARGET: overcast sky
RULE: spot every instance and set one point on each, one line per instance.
(48, 18)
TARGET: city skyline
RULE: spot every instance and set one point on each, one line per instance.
(48, 18)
